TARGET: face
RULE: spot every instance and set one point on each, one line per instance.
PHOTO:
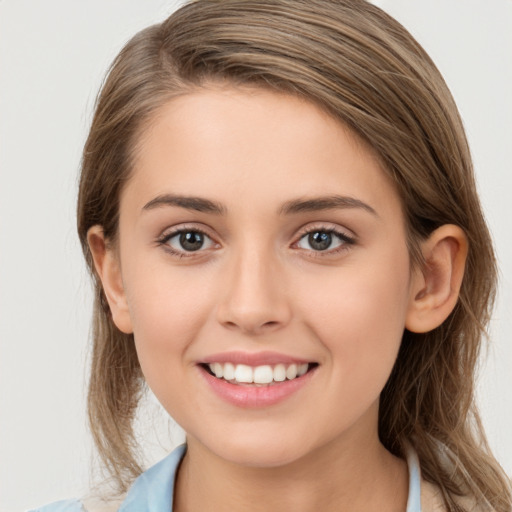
(264, 272)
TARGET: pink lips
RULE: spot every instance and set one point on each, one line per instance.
(256, 359)
(250, 395)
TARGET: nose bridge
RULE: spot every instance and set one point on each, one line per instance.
(254, 299)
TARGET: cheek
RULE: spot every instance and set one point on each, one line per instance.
(360, 319)
(167, 310)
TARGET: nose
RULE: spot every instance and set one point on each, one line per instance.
(254, 299)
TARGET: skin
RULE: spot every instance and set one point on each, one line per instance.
(258, 284)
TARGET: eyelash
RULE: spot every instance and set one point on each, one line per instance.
(346, 241)
(165, 238)
(343, 237)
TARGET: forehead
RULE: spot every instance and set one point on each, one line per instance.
(250, 145)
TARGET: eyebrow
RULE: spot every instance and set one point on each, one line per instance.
(316, 204)
(324, 203)
(197, 204)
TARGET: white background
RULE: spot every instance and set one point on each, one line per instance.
(53, 55)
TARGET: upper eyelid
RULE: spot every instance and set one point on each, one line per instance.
(175, 230)
(168, 234)
(332, 227)
(326, 226)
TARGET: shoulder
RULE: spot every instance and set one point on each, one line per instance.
(62, 506)
(93, 504)
(432, 500)
(152, 491)
(86, 505)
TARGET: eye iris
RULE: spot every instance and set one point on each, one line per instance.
(191, 241)
(320, 240)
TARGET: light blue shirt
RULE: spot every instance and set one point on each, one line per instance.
(153, 490)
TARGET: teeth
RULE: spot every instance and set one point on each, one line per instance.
(280, 373)
(229, 371)
(265, 374)
(291, 371)
(218, 370)
(244, 374)
(302, 369)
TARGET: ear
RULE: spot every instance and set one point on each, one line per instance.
(436, 285)
(108, 268)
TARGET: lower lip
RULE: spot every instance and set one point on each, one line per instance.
(248, 396)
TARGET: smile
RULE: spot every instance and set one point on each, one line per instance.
(256, 381)
(262, 375)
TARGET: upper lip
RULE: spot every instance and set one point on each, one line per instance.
(254, 359)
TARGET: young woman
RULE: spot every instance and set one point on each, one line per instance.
(278, 208)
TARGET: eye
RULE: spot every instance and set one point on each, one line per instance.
(319, 240)
(187, 240)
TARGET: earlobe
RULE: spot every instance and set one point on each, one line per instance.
(108, 269)
(435, 286)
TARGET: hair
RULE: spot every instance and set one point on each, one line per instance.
(361, 66)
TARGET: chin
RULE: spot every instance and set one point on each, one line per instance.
(259, 457)
(256, 451)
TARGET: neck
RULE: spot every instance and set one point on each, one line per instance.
(332, 478)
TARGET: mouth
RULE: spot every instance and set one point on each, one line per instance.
(256, 380)
(257, 376)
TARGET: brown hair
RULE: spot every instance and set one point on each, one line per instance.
(366, 70)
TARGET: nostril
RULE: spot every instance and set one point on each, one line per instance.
(249, 325)
(252, 304)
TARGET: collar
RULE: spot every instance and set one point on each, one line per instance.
(153, 490)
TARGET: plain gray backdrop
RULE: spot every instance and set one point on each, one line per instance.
(53, 55)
